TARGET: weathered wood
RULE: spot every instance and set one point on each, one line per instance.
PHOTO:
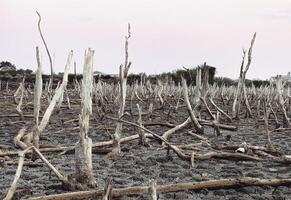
(193, 118)
(123, 72)
(13, 186)
(142, 138)
(138, 190)
(83, 149)
(241, 82)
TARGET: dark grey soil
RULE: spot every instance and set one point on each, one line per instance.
(138, 164)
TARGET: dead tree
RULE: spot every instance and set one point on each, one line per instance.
(241, 82)
(281, 101)
(36, 100)
(142, 137)
(83, 149)
(194, 120)
(18, 108)
(39, 128)
(123, 72)
(266, 123)
(205, 79)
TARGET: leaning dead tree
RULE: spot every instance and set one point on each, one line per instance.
(83, 149)
(194, 120)
(123, 72)
(39, 127)
(241, 82)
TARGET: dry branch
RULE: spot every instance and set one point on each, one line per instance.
(13, 186)
(47, 50)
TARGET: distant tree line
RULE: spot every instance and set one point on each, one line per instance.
(8, 71)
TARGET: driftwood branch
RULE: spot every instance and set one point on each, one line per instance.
(138, 190)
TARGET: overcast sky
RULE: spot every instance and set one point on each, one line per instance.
(166, 34)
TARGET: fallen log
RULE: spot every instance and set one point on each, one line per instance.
(138, 190)
(221, 126)
(95, 146)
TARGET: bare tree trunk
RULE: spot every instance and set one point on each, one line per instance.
(194, 120)
(266, 124)
(141, 133)
(249, 111)
(36, 100)
(38, 129)
(241, 82)
(123, 71)
(281, 101)
(18, 108)
(83, 149)
(205, 79)
(236, 100)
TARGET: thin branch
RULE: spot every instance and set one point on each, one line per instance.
(47, 50)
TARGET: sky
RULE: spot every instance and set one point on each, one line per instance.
(166, 34)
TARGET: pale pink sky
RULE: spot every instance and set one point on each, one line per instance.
(166, 34)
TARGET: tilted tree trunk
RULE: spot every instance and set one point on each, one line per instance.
(194, 120)
(38, 128)
(83, 149)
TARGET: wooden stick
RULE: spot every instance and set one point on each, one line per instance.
(95, 145)
(13, 186)
(138, 190)
(220, 110)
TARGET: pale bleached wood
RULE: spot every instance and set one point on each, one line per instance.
(141, 133)
(193, 118)
(83, 149)
(57, 95)
(241, 82)
(123, 72)
(13, 186)
(138, 190)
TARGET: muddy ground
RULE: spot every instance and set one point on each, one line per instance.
(138, 164)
